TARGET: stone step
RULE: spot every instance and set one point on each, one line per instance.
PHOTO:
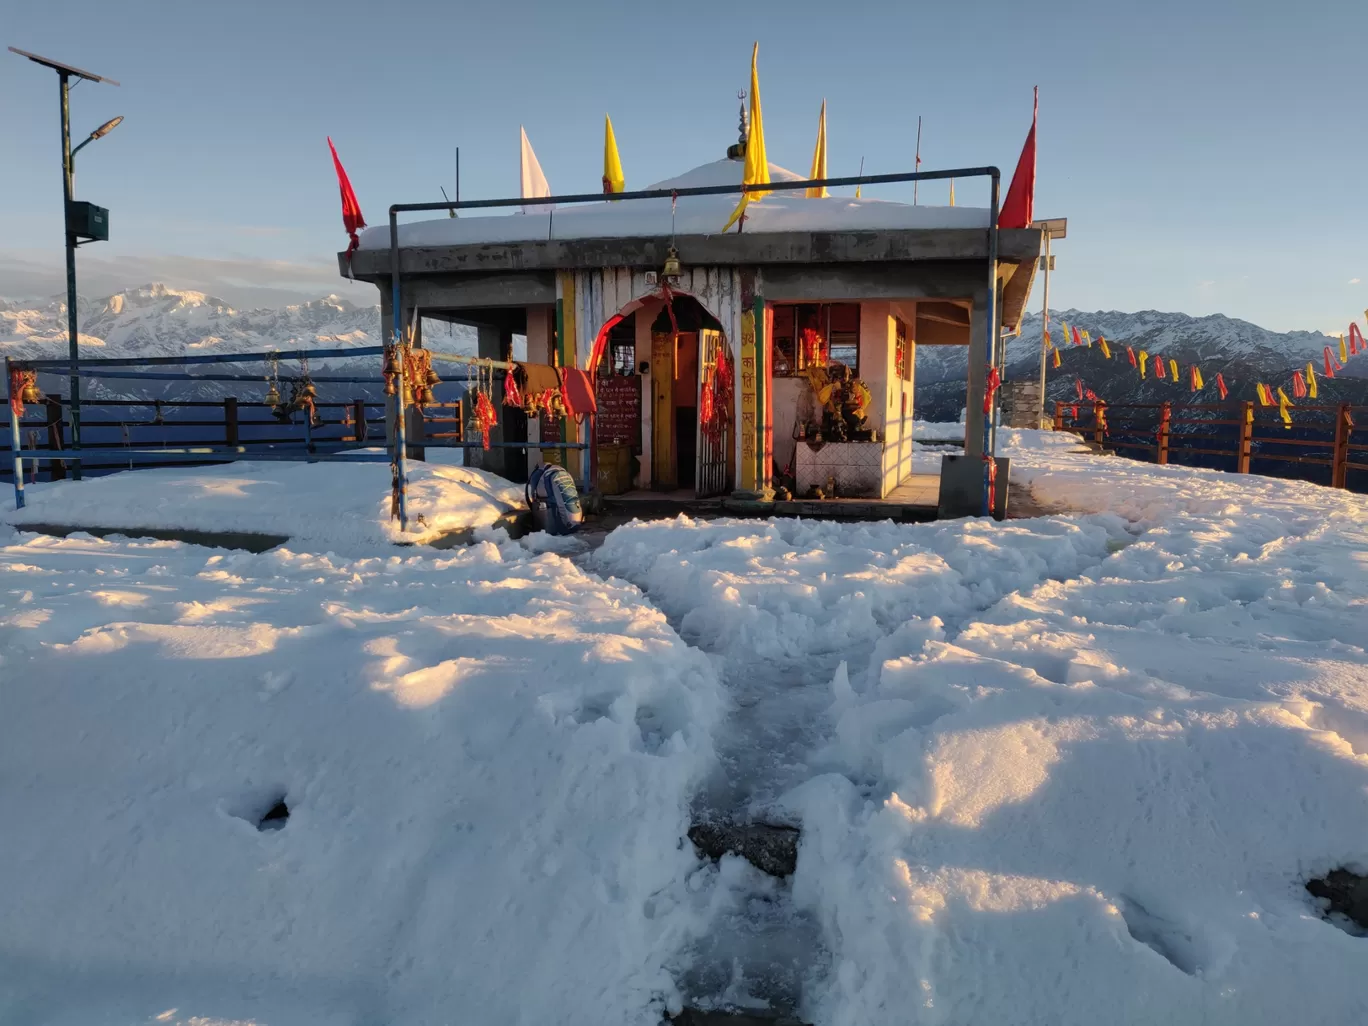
(769, 848)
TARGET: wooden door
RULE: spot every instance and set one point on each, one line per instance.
(712, 476)
(663, 473)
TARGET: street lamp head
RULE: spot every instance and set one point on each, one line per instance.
(106, 128)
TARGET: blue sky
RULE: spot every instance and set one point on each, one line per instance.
(1210, 154)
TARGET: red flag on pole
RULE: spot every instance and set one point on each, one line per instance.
(352, 220)
(1018, 208)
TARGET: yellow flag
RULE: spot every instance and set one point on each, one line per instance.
(613, 180)
(1173, 368)
(819, 157)
(1197, 376)
(1056, 357)
(952, 192)
(1049, 342)
(1144, 358)
(1311, 380)
(1284, 404)
(1106, 351)
(1265, 397)
(757, 163)
(1344, 350)
(1087, 339)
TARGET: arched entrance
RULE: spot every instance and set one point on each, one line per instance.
(687, 392)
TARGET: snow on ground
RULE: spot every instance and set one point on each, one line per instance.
(1065, 770)
(321, 506)
(487, 757)
(1072, 769)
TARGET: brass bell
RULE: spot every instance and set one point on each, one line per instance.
(308, 389)
(273, 395)
(31, 393)
(390, 388)
(428, 397)
(672, 268)
(432, 379)
(408, 395)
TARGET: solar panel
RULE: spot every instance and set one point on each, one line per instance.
(59, 66)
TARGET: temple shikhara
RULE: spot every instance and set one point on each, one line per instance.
(728, 348)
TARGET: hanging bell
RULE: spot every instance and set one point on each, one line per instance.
(273, 395)
(428, 397)
(672, 268)
(390, 367)
(307, 389)
(390, 388)
(432, 379)
(31, 393)
(408, 394)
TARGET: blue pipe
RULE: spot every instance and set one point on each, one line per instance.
(989, 428)
(176, 361)
(400, 431)
(15, 444)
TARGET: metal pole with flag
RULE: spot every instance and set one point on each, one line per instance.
(757, 162)
(819, 158)
(352, 220)
(1019, 206)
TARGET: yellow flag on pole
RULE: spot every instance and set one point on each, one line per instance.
(819, 157)
(757, 163)
(1311, 380)
(613, 180)
(952, 192)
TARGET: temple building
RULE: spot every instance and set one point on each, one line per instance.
(780, 355)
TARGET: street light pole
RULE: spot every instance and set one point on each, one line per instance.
(73, 332)
(74, 232)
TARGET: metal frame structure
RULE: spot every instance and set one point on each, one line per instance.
(992, 173)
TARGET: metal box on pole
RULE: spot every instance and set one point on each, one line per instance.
(87, 222)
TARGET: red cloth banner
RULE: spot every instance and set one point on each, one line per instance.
(1018, 208)
(352, 220)
(1221, 386)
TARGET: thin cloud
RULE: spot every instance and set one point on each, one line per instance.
(1354, 281)
(259, 230)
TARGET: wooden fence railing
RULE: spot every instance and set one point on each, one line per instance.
(226, 422)
(1253, 438)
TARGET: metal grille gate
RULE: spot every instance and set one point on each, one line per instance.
(713, 477)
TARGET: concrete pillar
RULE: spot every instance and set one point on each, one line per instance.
(974, 425)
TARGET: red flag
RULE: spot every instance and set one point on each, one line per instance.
(1355, 337)
(1130, 352)
(1077, 338)
(352, 220)
(1018, 209)
(1329, 363)
(1221, 386)
(1092, 396)
(1159, 367)
(1078, 387)
(1298, 386)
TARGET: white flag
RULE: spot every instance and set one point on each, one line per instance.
(534, 183)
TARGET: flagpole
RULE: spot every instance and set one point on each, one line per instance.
(918, 164)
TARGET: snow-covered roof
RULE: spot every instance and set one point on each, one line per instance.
(695, 215)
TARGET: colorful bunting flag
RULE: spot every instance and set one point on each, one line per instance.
(1087, 339)
(1221, 386)
(1130, 352)
(1311, 381)
(1105, 350)
(1329, 364)
(1159, 371)
(1344, 352)
(1077, 338)
(1173, 369)
(819, 158)
(1284, 404)
(1196, 377)
(1056, 359)
(1355, 337)
(1265, 399)
(1144, 356)
(1078, 387)
(1299, 385)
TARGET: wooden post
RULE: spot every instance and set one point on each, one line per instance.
(1339, 470)
(360, 432)
(1059, 416)
(56, 468)
(1098, 434)
(1161, 448)
(1246, 450)
(230, 421)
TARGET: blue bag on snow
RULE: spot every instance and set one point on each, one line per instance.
(554, 500)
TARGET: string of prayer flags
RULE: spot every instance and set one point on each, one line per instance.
(1298, 385)
(1311, 381)
(1284, 404)
(1173, 369)
(1221, 386)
